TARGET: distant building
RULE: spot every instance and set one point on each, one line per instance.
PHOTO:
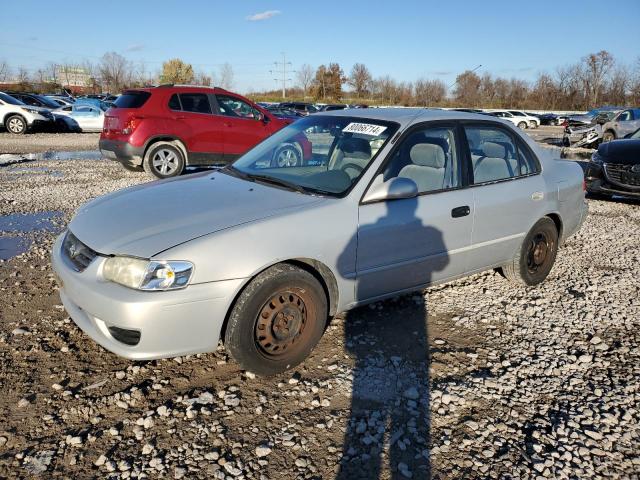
(76, 79)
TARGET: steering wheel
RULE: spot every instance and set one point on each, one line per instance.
(355, 166)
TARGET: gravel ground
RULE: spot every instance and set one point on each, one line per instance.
(472, 379)
(46, 142)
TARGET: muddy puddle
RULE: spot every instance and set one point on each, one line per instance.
(11, 226)
(13, 158)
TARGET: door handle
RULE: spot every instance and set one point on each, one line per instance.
(462, 211)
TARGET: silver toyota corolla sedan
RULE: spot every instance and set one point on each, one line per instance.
(263, 253)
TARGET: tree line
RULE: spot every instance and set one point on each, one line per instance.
(597, 79)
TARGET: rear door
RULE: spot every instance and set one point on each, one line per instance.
(243, 127)
(508, 192)
(627, 122)
(198, 126)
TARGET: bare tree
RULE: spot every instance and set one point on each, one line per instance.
(115, 71)
(225, 76)
(202, 78)
(619, 84)
(304, 76)
(429, 92)
(22, 76)
(360, 79)
(467, 91)
(596, 68)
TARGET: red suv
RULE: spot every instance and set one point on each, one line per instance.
(167, 128)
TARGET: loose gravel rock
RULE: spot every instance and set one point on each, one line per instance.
(472, 379)
(47, 142)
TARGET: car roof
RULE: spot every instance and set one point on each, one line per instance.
(406, 116)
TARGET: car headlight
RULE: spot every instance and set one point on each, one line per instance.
(32, 110)
(147, 274)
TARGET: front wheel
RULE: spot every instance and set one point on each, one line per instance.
(287, 156)
(277, 320)
(522, 125)
(16, 124)
(535, 257)
(164, 160)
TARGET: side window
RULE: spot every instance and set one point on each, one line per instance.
(624, 116)
(234, 107)
(428, 157)
(195, 102)
(495, 156)
(174, 102)
(29, 101)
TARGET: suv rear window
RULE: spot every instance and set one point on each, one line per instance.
(131, 99)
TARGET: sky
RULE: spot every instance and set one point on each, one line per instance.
(406, 39)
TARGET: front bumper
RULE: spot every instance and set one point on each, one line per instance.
(121, 151)
(169, 324)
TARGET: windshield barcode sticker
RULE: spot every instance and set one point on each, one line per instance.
(364, 129)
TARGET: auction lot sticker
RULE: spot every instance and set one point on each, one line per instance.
(364, 129)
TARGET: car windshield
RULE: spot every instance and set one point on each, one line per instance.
(636, 134)
(317, 154)
(9, 99)
(47, 101)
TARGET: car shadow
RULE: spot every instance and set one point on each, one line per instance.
(389, 421)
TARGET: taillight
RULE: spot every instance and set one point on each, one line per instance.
(584, 185)
(131, 124)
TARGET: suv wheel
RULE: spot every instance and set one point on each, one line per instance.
(533, 124)
(522, 125)
(16, 124)
(287, 156)
(164, 160)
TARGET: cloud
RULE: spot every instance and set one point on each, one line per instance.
(32, 39)
(441, 72)
(263, 15)
(136, 47)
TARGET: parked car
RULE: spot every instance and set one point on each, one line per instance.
(35, 100)
(333, 106)
(622, 124)
(518, 121)
(590, 135)
(532, 120)
(168, 128)
(615, 168)
(589, 117)
(284, 113)
(62, 101)
(549, 119)
(165, 269)
(302, 107)
(18, 117)
(83, 117)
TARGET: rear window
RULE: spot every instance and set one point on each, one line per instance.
(131, 99)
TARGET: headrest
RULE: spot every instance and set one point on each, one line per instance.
(427, 155)
(495, 150)
(355, 148)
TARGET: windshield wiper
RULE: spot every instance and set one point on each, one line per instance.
(276, 181)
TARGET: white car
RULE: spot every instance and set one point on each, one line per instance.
(534, 122)
(17, 117)
(85, 117)
(517, 120)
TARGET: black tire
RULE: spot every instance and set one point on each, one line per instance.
(164, 160)
(131, 167)
(277, 320)
(533, 124)
(608, 136)
(287, 156)
(16, 124)
(535, 256)
(522, 125)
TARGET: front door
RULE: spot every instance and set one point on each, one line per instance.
(408, 243)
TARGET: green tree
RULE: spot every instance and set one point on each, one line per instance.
(176, 71)
(328, 82)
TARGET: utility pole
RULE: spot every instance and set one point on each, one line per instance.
(281, 67)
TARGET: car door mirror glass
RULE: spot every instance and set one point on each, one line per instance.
(394, 189)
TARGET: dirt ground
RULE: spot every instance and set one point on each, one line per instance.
(472, 379)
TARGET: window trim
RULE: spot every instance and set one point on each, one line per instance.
(517, 142)
(461, 150)
(177, 95)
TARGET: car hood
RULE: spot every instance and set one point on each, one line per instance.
(147, 219)
(625, 151)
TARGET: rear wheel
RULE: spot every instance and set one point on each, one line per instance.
(535, 257)
(277, 320)
(522, 125)
(608, 136)
(164, 160)
(533, 124)
(16, 124)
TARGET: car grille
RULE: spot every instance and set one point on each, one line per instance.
(622, 175)
(78, 254)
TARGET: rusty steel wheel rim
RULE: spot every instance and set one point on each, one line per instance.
(284, 322)
(539, 252)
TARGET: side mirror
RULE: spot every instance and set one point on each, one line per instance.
(394, 189)
(262, 117)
